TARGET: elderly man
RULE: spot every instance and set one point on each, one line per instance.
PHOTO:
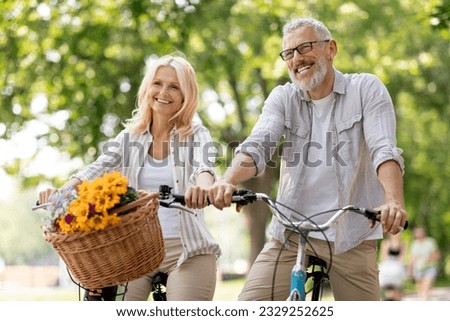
(339, 148)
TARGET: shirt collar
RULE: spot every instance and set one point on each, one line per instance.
(339, 82)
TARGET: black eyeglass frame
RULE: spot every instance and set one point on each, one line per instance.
(305, 49)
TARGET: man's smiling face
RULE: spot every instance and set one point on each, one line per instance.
(307, 70)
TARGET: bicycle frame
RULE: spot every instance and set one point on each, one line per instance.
(299, 273)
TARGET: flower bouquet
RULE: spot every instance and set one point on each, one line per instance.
(100, 245)
(90, 207)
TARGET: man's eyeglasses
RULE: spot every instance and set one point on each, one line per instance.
(301, 49)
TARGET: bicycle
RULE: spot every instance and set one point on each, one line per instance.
(300, 273)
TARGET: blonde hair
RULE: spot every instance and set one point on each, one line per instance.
(182, 120)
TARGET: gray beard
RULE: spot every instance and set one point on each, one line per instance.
(314, 81)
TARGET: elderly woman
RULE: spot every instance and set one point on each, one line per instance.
(162, 145)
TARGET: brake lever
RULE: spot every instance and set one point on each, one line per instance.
(243, 197)
(376, 216)
(169, 200)
(171, 204)
(39, 206)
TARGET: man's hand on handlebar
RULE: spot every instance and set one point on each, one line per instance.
(393, 217)
(220, 194)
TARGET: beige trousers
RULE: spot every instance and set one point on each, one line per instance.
(193, 280)
(353, 274)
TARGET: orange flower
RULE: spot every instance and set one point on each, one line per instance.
(89, 210)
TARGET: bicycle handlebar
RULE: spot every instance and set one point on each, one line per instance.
(245, 196)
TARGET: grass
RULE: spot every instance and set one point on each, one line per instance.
(228, 290)
(39, 294)
(225, 291)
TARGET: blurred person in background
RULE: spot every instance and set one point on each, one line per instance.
(423, 267)
(393, 270)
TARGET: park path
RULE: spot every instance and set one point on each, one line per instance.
(437, 294)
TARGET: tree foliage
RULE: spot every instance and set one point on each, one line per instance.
(71, 69)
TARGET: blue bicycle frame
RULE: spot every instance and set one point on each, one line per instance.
(299, 273)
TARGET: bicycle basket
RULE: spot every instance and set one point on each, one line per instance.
(119, 253)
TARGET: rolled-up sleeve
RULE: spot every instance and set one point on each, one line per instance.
(203, 153)
(380, 124)
(269, 128)
(390, 153)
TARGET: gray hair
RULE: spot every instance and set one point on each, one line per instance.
(320, 29)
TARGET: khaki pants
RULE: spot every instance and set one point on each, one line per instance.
(193, 280)
(353, 274)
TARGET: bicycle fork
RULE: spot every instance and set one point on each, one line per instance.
(298, 274)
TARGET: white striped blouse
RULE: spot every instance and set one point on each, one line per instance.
(126, 153)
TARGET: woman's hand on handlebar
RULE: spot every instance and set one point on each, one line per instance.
(196, 197)
(44, 195)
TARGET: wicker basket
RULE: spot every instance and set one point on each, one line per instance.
(119, 253)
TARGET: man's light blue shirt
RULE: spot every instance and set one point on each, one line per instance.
(363, 136)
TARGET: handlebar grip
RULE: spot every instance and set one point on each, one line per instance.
(375, 215)
(179, 198)
(406, 225)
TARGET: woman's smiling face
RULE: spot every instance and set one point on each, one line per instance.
(165, 93)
